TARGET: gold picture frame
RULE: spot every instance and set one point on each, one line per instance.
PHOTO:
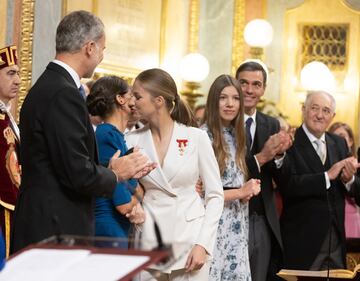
(134, 31)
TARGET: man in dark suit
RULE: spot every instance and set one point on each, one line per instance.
(317, 173)
(266, 146)
(61, 175)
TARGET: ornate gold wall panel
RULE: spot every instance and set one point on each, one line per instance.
(113, 67)
(238, 42)
(25, 50)
(3, 17)
(326, 43)
(343, 59)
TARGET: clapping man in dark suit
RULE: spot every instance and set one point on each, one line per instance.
(317, 173)
(61, 175)
(266, 147)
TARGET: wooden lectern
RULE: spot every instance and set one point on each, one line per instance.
(308, 275)
(351, 273)
(81, 258)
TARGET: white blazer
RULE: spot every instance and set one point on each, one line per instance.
(170, 190)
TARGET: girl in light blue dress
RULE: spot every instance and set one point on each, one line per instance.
(224, 123)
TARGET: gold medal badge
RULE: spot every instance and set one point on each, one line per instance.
(11, 159)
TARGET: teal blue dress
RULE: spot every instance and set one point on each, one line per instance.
(108, 221)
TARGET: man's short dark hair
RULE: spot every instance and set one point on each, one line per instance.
(251, 66)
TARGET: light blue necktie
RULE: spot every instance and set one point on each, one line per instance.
(321, 150)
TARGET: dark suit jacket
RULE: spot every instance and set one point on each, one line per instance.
(265, 127)
(305, 219)
(59, 162)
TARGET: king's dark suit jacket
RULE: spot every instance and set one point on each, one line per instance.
(265, 127)
(59, 162)
(306, 215)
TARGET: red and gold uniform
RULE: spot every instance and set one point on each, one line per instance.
(10, 172)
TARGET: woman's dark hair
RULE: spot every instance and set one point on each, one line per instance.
(102, 98)
(159, 83)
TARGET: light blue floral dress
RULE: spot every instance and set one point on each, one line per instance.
(231, 259)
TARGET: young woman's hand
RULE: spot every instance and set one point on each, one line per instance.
(137, 214)
(250, 188)
(200, 188)
(196, 258)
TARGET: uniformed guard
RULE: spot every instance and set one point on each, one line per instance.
(10, 171)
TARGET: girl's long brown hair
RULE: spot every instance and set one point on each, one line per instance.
(213, 121)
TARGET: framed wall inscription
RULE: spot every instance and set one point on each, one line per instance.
(133, 33)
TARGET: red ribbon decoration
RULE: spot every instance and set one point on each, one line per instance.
(182, 142)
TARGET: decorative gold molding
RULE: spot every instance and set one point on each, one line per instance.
(238, 42)
(64, 8)
(26, 44)
(129, 73)
(355, 8)
(163, 22)
(3, 21)
(194, 19)
(95, 7)
(325, 42)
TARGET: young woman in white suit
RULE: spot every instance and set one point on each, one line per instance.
(183, 154)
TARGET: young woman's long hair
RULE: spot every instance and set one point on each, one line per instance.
(213, 121)
(159, 83)
(348, 129)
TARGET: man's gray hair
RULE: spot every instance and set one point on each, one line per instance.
(310, 95)
(77, 28)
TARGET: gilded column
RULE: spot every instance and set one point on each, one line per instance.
(64, 9)
(164, 14)
(95, 7)
(194, 15)
(25, 50)
(238, 42)
(190, 91)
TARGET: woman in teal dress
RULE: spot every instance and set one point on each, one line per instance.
(111, 99)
